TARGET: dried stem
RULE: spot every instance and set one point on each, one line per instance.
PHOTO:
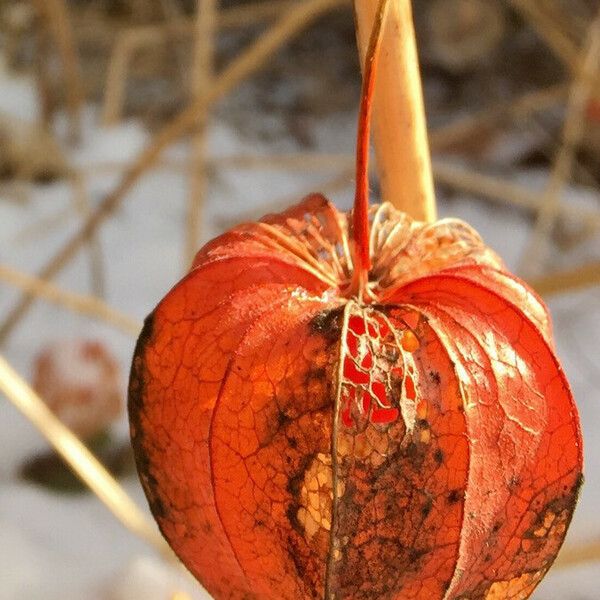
(400, 131)
(576, 555)
(116, 77)
(78, 303)
(361, 199)
(137, 38)
(173, 13)
(569, 280)
(455, 132)
(494, 188)
(546, 27)
(42, 79)
(79, 458)
(202, 76)
(242, 67)
(56, 13)
(573, 131)
(83, 206)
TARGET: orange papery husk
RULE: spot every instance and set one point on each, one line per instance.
(296, 443)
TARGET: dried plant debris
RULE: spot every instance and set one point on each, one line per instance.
(464, 34)
(29, 153)
(80, 381)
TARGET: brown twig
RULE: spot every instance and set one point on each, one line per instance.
(572, 17)
(547, 29)
(79, 458)
(400, 130)
(201, 78)
(83, 206)
(242, 67)
(480, 184)
(577, 555)
(116, 78)
(446, 136)
(582, 172)
(42, 80)
(134, 39)
(494, 188)
(56, 13)
(173, 13)
(251, 14)
(78, 303)
(569, 280)
(573, 130)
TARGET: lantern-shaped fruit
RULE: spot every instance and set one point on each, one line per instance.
(352, 407)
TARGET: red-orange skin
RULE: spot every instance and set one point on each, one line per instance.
(433, 416)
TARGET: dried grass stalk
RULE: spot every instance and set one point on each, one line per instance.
(573, 131)
(77, 303)
(201, 78)
(85, 465)
(399, 126)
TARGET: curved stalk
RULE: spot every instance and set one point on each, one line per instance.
(361, 198)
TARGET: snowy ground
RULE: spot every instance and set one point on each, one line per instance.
(52, 547)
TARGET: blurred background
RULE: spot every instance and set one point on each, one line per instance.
(512, 90)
